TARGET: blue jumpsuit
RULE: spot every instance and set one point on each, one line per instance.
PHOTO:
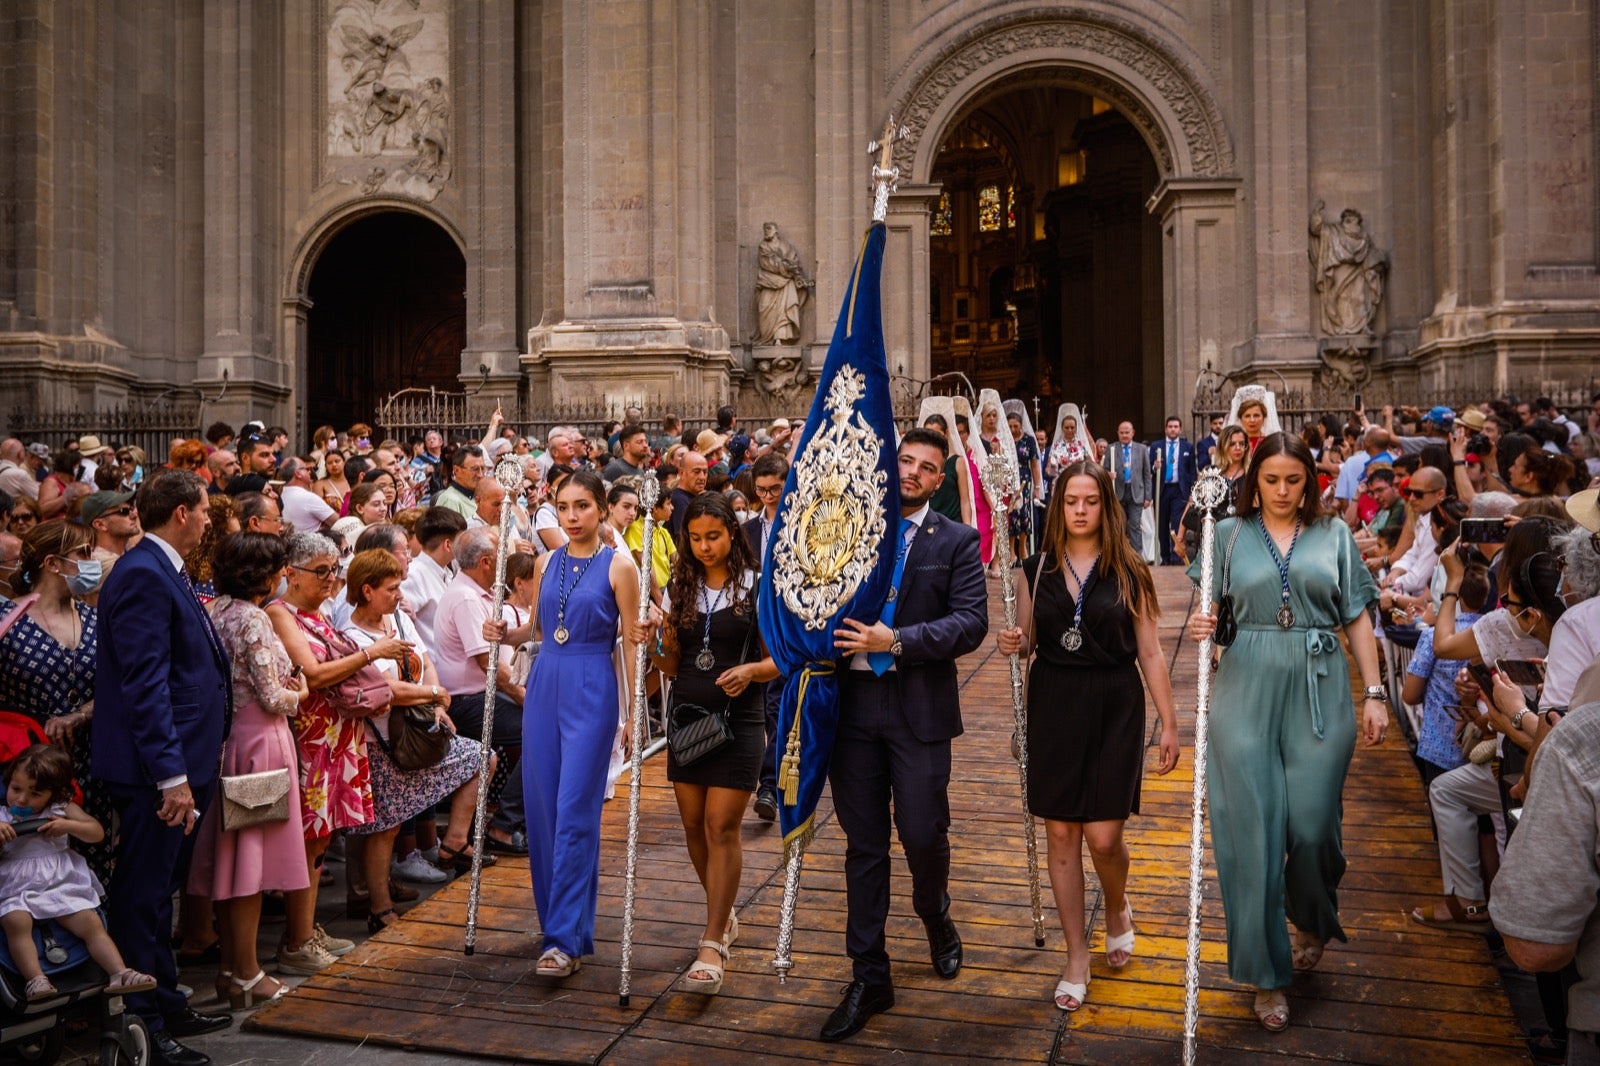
(569, 723)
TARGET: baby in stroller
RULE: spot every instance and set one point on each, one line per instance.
(42, 878)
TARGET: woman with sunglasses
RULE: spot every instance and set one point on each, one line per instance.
(335, 776)
(1281, 733)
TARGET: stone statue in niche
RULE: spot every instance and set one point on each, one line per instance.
(781, 288)
(388, 105)
(1350, 272)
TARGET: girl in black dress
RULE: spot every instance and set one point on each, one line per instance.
(1087, 605)
(709, 643)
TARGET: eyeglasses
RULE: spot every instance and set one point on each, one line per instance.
(769, 490)
(1417, 494)
(321, 573)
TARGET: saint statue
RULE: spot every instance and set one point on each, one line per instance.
(1350, 272)
(781, 286)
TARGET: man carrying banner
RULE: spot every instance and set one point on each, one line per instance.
(899, 711)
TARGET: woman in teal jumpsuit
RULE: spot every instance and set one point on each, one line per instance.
(1282, 732)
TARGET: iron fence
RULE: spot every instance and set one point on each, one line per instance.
(151, 427)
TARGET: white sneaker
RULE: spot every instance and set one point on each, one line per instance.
(429, 854)
(416, 868)
(311, 959)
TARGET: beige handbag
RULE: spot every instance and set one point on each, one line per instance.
(255, 799)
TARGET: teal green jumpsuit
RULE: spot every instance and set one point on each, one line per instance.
(1281, 736)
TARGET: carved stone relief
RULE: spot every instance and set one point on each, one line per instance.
(992, 45)
(388, 100)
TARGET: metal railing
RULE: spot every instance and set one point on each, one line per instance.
(151, 427)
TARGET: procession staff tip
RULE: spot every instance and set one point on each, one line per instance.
(649, 493)
(885, 175)
(1209, 492)
(508, 472)
(1001, 483)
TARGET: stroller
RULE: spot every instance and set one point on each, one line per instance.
(36, 1032)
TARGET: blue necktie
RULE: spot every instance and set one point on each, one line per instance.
(880, 661)
(1127, 463)
(1172, 466)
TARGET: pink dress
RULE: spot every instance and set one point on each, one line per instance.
(230, 865)
(981, 513)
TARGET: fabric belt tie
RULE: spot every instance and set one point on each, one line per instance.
(595, 647)
(1320, 644)
(789, 762)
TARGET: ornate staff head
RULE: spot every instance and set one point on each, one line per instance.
(1211, 489)
(508, 472)
(649, 491)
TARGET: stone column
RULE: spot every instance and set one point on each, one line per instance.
(1202, 284)
(238, 239)
(486, 38)
(906, 335)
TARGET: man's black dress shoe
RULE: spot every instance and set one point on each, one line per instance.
(766, 804)
(517, 845)
(861, 1002)
(944, 945)
(190, 1022)
(165, 1051)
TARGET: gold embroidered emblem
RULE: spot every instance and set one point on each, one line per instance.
(829, 545)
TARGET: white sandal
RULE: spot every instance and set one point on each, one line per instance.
(564, 965)
(1272, 1009)
(1066, 989)
(706, 986)
(731, 933)
(1305, 951)
(1122, 942)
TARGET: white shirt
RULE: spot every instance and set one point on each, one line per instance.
(1574, 644)
(424, 584)
(859, 662)
(458, 635)
(304, 509)
(1418, 561)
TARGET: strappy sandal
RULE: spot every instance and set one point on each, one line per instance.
(1470, 918)
(1305, 952)
(706, 986)
(242, 995)
(731, 933)
(459, 860)
(40, 988)
(377, 923)
(561, 964)
(1069, 995)
(127, 981)
(1122, 942)
(1272, 1010)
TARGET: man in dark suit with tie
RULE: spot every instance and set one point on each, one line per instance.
(1172, 460)
(163, 701)
(1129, 463)
(899, 710)
(769, 473)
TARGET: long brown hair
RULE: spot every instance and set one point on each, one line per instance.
(1135, 589)
(1248, 501)
(687, 572)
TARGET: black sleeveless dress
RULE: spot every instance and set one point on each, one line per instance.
(1086, 707)
(737, 764)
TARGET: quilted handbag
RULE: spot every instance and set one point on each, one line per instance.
(255, 799)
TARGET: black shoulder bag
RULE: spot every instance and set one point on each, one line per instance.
(693, 732)
(1227, 627)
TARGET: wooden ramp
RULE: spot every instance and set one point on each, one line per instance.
(1396, 993)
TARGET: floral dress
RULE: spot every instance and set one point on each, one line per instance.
(335, 776)
(43, 680)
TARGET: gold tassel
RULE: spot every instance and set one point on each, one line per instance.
(789, 766)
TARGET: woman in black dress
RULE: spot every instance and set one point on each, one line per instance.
(1087, 605)
(709, 644)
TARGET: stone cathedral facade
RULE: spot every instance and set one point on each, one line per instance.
(302, 206)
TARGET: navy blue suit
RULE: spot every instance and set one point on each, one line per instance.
(1172, 488)
(894, 739)
(163, 702)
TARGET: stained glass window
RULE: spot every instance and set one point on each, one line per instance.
(989, 209)
(942, 217)
(1011, 207)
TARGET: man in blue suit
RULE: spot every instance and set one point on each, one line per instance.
(899, 711)
(163, 703)
(1172, 462)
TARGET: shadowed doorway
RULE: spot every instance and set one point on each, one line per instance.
(388, 311)
(1045, 266)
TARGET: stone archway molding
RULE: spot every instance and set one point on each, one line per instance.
(332, 222)
(1148, 78)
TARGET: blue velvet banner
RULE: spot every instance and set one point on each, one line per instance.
(832, 549)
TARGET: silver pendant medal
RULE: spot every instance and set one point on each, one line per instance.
(705, 660)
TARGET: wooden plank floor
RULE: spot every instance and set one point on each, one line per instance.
(1396, 993)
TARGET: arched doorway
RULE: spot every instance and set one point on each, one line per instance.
(388, 311)
(1044, 265)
